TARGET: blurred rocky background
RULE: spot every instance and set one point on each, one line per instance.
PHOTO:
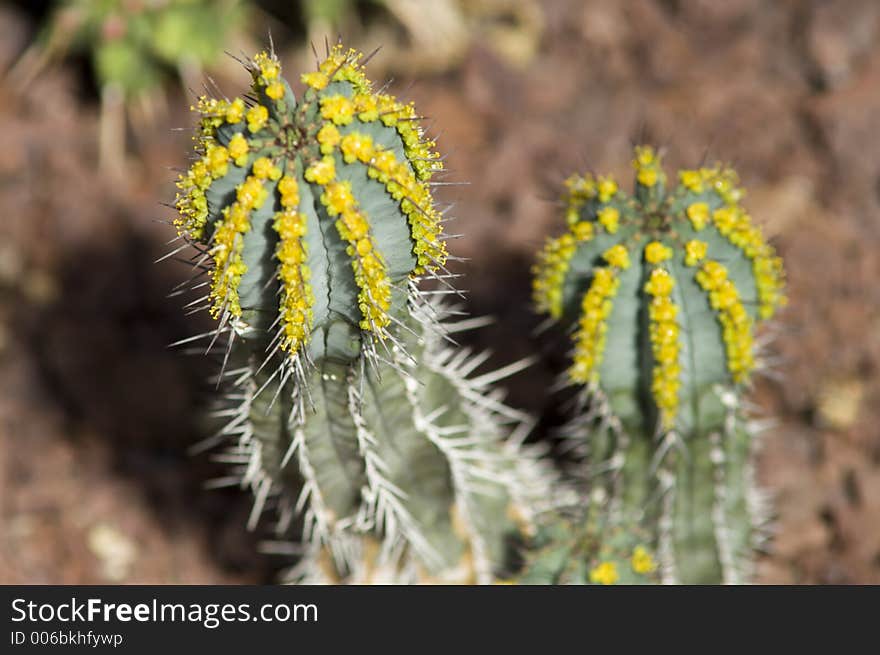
(96, 413)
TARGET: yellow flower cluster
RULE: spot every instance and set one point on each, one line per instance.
(648, 168)
(267, 71)
(722, 180)
(339, 66)
(337, 197)
(215, 111)
(264, 168)
(337, 108)
(642, 562)
(605, 573)
(698, 213)
(344, 66)
(617, 256)
(191, 203)
(251, 194)
(589, 339)
(356, 146)
(726, 219)
(549, 273)
(288, 189)
(374, 297)
(736, 225)
(413, 195)
(657, 253)
(553, 261)
(695, 252)
(735, 321)
(418, 150)
(578, 190)
(235, 111)
(770, 279)
(228, 243)
(609, 218)
(366, 106)
(217, 160)
(257, 117)
(664, 333)
(418, 205)
(275, 90)
(725, 182)
(297, 298)
(583, 231)
(322, 172)
(328, 138)
(606, 188)
(238, 149)
(266, 67)
(692, 180)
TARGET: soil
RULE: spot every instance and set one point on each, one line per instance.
(97, 414)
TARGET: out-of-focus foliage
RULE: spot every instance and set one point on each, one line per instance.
(419, 36)
(332, 11)
(135, 44)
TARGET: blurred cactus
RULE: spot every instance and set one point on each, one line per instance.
(314, 221)
(588, 550)
(662, 290)
(134, 45)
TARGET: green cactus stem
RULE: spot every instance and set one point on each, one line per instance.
(349, 410)
(662, 291)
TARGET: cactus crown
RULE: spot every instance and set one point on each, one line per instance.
(682, 270)
(344, 153)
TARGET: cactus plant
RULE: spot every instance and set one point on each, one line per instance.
(314, 222)
(662, 291)
(585, 548)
